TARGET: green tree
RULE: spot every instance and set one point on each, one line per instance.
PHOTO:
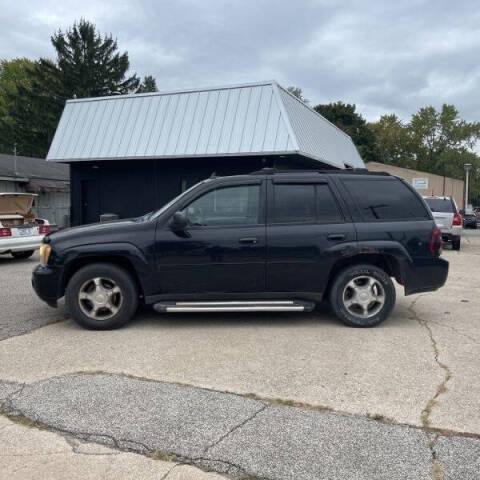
(444, 142)
(345, 117)
(394, 143)
(297, 92)
(439, 137)
(14, 73)
(148, 85)
(87, 65)
(433, 141)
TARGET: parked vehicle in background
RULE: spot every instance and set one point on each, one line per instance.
(476, 211)
(448, 219)
(469, 219)
(267, 241)
(20, 232)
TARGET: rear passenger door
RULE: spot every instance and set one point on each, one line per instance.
(307, 227)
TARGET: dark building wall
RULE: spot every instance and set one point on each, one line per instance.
(131, 188)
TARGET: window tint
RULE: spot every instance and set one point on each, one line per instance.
(385, 200)
(294, 203)
(305, 204)
(226, 206)
(328, 210)
(440, 204)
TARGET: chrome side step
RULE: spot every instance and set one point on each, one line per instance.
(235, 306)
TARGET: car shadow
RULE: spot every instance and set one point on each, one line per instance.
(7, 259)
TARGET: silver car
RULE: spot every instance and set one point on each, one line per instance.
(21, 233)
(447, 218)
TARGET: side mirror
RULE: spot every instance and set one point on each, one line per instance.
(178, 222)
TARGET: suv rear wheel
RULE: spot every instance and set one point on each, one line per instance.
(102, 296)
(362, 295)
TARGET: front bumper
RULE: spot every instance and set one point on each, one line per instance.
(425, 275)
(20, 244)
(46, 281)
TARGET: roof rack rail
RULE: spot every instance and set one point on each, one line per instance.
(348, 171)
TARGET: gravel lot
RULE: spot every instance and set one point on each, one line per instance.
(397, 401)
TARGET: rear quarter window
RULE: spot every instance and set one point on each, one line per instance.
(386, 199)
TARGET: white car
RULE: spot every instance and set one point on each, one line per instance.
(448, 220)
(20, 232)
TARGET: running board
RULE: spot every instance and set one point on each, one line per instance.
(235, 306)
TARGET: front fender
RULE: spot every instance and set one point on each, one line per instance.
(124, 251)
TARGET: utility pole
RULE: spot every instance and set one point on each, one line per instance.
(467, 167)
(15, 158)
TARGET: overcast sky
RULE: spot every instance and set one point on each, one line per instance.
(385, 56)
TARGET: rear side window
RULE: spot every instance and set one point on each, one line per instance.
(386, 200)
(328, 210)
(440, 205)
(304, 203)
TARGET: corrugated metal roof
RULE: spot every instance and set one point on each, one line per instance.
(31, 167)
(254, 119)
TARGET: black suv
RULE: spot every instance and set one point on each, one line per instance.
(267, 241)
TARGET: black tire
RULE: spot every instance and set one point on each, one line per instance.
(23, 255)
(456, 243)
(359, 273)
(127, 296)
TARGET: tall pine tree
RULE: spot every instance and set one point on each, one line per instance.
(87, 65)
(148, 85)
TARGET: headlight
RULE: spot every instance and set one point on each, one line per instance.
(45, 251)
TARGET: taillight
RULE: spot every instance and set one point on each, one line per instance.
(457, 219)
(5, 232)
(44, 229)
(436, 243)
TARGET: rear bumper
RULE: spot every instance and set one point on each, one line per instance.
(425, 275)
(20, 244)
(46, 283)
(449, 233)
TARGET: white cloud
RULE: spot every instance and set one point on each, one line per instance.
(383, 56)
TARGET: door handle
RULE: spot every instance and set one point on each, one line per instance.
(336, 236)
(249, 240)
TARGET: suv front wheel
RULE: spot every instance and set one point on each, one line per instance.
(102, 296)
(362, 295)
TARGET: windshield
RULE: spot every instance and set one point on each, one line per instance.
(156, 213)
(440, 205)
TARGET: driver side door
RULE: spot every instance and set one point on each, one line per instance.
(223, 249)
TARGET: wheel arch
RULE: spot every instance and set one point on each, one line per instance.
(387, 262)
(121, 261)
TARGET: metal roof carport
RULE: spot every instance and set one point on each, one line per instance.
(160, 143)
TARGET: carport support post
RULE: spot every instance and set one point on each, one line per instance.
(467, 167)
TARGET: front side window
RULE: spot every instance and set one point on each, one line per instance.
(238, 205)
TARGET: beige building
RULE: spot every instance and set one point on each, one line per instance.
(425, 183)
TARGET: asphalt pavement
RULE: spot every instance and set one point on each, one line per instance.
(21, 310)
(235, 435)
(254, 396)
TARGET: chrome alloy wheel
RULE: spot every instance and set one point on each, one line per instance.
(100, 298)
(363, 296)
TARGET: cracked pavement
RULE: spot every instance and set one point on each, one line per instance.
(398, 401)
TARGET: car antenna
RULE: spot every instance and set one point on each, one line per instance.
(213, 175)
